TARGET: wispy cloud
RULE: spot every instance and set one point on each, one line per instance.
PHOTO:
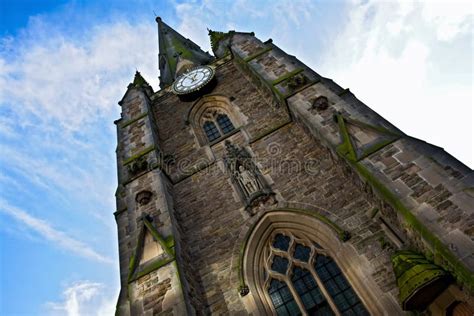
(412, 63)
(84, 298)
(57, 237)
(74, 81)
(58, 95)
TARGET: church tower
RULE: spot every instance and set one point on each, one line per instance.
(250, 184)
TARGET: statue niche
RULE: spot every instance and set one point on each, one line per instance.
(247, 179)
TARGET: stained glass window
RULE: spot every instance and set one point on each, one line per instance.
(211, 130)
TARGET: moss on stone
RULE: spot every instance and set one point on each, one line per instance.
(258, 80)
(257, 54)
(152, 267)
(138, 155)
(164, 243)
(133, 120)
(287, 76)
(413, 273)
(139, 81)
(442, 255)
(131, 266)
(216, 37)
(346, 148)
(374, 212)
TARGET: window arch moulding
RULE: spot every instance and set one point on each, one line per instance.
(213, 118)
(310, 231)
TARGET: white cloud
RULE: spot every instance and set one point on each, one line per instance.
(395, 58)
(59, 94)
(49, 233)
(410, 61)
(84, 298)
(74, 81)
(449, 18)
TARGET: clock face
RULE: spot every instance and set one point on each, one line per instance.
(193, 80)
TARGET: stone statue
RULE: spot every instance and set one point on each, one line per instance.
(248, 181)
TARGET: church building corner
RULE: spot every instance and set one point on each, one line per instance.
(251, 184)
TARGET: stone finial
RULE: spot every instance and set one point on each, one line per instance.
(215, 38)
(139, 81)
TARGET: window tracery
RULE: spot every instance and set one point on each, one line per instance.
(217, 125)
(218, 110)
(301, 276)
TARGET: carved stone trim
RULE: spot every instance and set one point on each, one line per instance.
(143, 197)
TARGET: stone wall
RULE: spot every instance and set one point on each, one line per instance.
(300, 170)
(144, 192)
(379, 189)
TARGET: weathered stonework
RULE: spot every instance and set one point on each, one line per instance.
(338, 173)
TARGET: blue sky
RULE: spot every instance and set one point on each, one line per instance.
(64, 65)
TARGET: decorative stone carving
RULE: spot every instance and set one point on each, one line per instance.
(321, 103)
(248, 181)
(138, 166)
(244, 290)
(246, 177)
(143, 197)
(297, 81)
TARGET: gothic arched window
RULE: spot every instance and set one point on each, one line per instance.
(216, 109)
(214, 131)
(211, 131)
(224, 123)
(301, 276)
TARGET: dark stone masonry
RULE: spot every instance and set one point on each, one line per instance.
(269, 189)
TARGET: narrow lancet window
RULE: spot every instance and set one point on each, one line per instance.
(211, 130)
(224, 123)
(306, 287)
(282, 299)
(344, 297)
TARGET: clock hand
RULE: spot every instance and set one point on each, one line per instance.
(187, 76)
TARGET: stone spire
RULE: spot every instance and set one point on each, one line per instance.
(176, 53)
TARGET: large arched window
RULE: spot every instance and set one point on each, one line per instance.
(301, 276)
